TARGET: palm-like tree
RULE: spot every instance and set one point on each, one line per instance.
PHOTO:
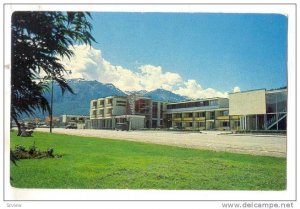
(39, 40)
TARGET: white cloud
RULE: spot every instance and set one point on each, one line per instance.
(89, 64)
(152, 77)
(194, 90)
(236, 89)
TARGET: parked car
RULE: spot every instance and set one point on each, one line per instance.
(122, 127)
(176, 128)
(30, 125)
(71, 126)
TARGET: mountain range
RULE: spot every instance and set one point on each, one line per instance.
(86, 90)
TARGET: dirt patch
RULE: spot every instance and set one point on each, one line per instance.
(266, 145)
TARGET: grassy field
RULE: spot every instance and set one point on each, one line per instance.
(104, 163)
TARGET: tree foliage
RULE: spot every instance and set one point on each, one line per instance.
(38, 40)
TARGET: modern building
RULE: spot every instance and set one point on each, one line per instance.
(56, 121)
(251, 110)
(138, 112)
(205, 114)
(258, 110)
(77, 120)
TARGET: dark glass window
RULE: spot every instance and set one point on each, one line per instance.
(200, 114)
(276, 102)
(213, 102)
(281, 101)
(271, 103)
(225, 123)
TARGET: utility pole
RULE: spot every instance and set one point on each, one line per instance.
(51, 105)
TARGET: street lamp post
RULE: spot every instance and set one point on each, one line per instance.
(51, 105)
(51, 102)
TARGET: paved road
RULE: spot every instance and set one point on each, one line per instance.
(268, 145)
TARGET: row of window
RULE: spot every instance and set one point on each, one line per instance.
(210, 114)
(199, 124)
(193, 104)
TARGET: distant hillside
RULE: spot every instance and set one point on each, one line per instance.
(85, 91)
(164, 95)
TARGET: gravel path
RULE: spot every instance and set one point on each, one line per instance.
(268, 145)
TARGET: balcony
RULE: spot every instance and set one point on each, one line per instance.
(188, 119)
(224, 117)
(235, 117)
(101, 115)
(94, 116)
(108, 114)
(200, 119)
(176, 119)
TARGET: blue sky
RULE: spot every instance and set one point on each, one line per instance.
(218, 51)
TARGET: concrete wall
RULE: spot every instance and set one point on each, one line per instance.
(119, 110)
(247, 103)
(137, 123)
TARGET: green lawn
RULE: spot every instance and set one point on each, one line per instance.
(104, 163)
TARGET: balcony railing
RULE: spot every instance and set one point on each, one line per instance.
(176, 119)
(187, 119)
(235, 117)
(200, 118)
(224, 117)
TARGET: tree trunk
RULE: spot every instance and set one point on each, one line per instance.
(18, 125)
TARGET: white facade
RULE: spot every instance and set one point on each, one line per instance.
(247, 103)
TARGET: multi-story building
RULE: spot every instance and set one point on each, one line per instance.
(205, 114)
(139, 112)
(250, 110)
(76, 120)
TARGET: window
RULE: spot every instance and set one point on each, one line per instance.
(213, 102)
(201, 114)
(101, 103)
(281, 101)
(94, 104)
(177, 115)
(224, 113)
(271, 103)
(121, 103)
(276, 102)
(205, 103)
(201, 124)
(154, 110)
(225, 124)
(188, 115)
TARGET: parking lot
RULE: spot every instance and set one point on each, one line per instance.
(268, 145)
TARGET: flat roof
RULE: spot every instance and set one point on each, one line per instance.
(247, 91)
(197, 100)
(69, 115)
(267, 90)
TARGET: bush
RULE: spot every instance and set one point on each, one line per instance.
(20, 152)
